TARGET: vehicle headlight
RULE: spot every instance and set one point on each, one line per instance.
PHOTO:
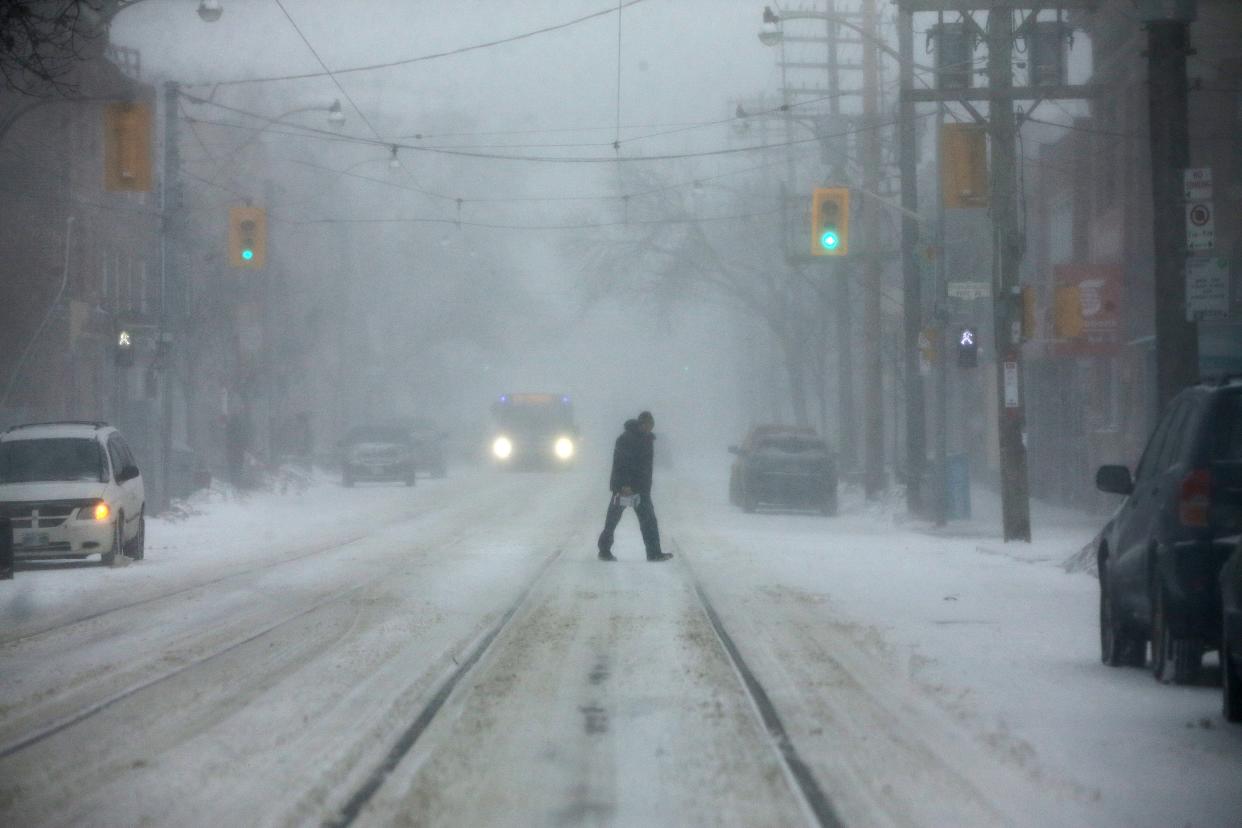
(502, 448)
(98, 512)
(564, 448)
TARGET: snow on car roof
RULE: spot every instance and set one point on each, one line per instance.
(40, 431)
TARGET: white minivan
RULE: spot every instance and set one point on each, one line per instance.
(71, 489)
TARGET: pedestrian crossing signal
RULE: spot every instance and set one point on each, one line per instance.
(247, 237)
(967, 347)
(124, 354)
(830, 221)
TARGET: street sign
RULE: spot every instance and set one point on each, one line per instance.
(969, 290)
(1197, 184)
(1200, 226)
(1011, 385)
(1207, 288)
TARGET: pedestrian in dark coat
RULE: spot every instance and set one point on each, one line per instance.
(632, 460)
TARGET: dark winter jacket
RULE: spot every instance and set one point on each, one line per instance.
(632, 459)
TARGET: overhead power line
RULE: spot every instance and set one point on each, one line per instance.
(308, 131)
(421, 58)
(498, 226)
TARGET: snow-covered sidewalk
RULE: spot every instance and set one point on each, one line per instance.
(997, 637)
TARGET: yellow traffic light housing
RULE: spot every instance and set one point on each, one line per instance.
(247, 237)
(964, 165)
(830, 221)
(127, 147)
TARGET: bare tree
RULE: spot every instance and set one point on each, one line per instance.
(665, 250)
(41, 42)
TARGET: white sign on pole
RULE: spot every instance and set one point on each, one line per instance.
(1207, 288)
(1011, 385)
(969, 290)
(1200, 226)
(1197, 184)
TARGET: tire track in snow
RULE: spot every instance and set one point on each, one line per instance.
(40, 734)
(409, 737)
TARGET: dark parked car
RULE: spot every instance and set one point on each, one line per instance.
(784, 467)
(1231, 635)
(1161, 553)
(377, 453)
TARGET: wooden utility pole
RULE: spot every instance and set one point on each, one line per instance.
(1000, 95)
(1177, 340)
(873, 271)
(1006, 256)
(912, 285)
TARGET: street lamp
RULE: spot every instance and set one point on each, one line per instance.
(335, 116)
(771, 34)
(210, 10)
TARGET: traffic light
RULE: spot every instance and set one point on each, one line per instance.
(127, 147)
(964, 165)
(967, 347)
(124, 349)
(247, 237)
(830, 221)
(1067, 313)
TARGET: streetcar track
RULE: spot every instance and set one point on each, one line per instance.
(318, 550)
(47, 731)
(357, 801)
(81, 715)
(414, 514)
(818, 804)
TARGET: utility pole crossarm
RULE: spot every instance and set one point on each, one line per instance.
(1014, 93)
(993, 5)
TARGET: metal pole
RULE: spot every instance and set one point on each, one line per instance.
(874, 480)
(170, 202)
(1177, 340)
(1007, 252)
(912, 293)
(942, 345)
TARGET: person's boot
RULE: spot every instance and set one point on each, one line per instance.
(605, 555)
(659, 556)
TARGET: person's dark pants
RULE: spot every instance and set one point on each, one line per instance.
(646, 522)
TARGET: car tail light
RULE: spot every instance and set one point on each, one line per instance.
(1194, 498)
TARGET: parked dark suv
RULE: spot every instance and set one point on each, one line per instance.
(785, 467)
(1160, 555)
(1231, 629)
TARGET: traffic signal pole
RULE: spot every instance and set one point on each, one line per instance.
(873, 271)
(1177, 340)
(912, 293)
(170, 205)
(1007, 254)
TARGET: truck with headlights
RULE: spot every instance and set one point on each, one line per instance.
(533, 431)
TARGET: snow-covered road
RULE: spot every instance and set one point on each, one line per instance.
(454, 654)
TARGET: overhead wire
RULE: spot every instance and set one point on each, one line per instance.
(422, 58)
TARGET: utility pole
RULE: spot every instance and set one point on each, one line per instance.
(1000, 94)
(873, 271)
(1006, 256)
(1177, 340)
(912, 292)
(170, 209)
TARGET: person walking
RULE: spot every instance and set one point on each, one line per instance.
(631, 482)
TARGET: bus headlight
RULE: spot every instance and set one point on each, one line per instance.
(564, 448)
(502, 448)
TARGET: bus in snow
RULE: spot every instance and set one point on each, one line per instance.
(533, 431)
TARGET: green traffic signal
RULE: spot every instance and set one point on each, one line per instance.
(829, 240)
(247, 253)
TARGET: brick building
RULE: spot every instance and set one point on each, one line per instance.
(1090, 227)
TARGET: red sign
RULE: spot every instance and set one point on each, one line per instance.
(1099, 292)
